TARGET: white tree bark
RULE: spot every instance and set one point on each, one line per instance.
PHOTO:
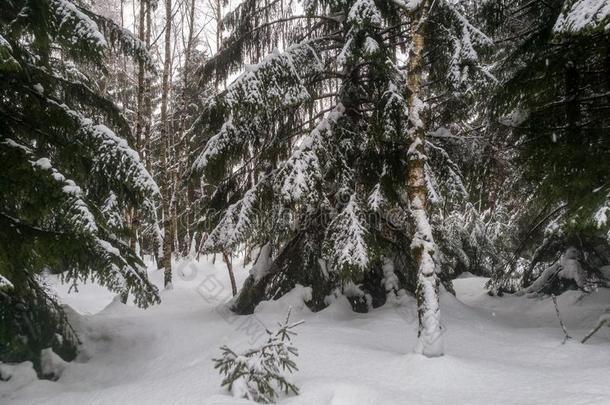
(422, 246)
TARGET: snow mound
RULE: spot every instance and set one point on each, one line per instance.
(51, 365)
(263, 263)
(347, 394)
(295, 299)
(163, 355)
(339, 308)
(13, 377)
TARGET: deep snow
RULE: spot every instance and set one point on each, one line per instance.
(498, 350)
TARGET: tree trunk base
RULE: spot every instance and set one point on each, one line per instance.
(288, 270)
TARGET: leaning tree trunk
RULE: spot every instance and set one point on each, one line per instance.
(227, 259)
(166, 261)
(422, 245)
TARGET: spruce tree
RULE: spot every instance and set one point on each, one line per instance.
(310, 151)
(67, 173)
(551, 107)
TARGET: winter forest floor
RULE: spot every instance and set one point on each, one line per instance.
(498, 350)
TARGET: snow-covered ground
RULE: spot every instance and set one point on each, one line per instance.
(498, 350)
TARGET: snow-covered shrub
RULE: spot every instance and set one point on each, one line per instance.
(52, 366)
(257, 373)
(575, 269)
(569, 256)
(30, 323)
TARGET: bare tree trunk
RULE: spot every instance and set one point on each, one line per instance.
(125, 78)
(147, 97)
(227, 260)
(188, 50)
(124, 295)
(139, 110)
(166, 261)
(140, 95)
(422, 245)
(218, 21)
(174, 208)
(189, 197)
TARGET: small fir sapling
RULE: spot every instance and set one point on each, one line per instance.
(257, 373)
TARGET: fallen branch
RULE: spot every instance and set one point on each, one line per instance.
(603, 320)
(563, 327)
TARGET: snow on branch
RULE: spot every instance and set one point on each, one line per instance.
(467, 41)
(77, 211)
(216, 145)
(121, 267)
(345, 243)
(123, 271)
(407, 5)
(7, 60)
(601, 218)
(257, 373)
(112, 156)
(275, 80)
(443, 168)
(476, 34)
(364, 12)
(300, 175)
(274, 83)
(112, 212)
(583, 15)
(75, 26)
(122, 39)
(395, 110)
(376, 200)
(236, 221)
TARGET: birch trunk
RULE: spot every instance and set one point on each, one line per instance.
(166, 261)
(422, 245)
